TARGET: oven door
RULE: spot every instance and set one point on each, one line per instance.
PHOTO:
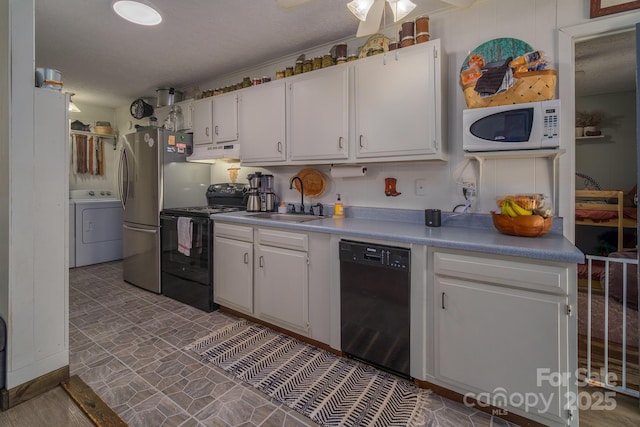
(187, 278)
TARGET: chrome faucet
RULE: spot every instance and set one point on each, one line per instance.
(301, 191)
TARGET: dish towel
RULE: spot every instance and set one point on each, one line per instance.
(185, 232)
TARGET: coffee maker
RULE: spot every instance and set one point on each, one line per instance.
(267, 196)
(253, 196)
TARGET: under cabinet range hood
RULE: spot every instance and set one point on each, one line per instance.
(209, 153)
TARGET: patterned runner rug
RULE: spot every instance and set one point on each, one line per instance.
(331, 390)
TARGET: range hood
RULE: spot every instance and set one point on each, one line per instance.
(210, 153)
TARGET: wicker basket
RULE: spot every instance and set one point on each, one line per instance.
(529, 87)
(104, 130)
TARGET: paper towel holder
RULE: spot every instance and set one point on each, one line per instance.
(347, 170)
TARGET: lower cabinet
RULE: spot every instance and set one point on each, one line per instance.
(233, 259)
(281, 286)
(264, 272)
(501, 334)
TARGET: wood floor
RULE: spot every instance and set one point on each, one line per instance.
(54, 408)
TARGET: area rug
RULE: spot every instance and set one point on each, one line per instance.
(331, 390)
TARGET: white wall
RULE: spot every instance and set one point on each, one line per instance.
(611, 161)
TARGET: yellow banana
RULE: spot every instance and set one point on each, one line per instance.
(519, 210)
(507, 209)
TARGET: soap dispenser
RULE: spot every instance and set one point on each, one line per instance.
(338, 209)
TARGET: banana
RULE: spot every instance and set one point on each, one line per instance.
(507, 208)
(520, 211)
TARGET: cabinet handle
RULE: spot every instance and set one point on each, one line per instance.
(261, 261)
(443, 307)
(216, 130)
(206, 131)
(246, 258)
(279, 146)
(340, 143)
(361, 144)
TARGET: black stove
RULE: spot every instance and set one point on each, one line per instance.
(186, 262)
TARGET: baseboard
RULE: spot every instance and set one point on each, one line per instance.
(33, 388)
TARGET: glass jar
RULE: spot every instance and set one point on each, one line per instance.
(175, 120)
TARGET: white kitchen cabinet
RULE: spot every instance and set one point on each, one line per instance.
(319, 115)
(202, 121)
(233, 258)
(225, 117)
(281, 280)
(398, 105)
(262, 124)
(501, 329)
(215, 119)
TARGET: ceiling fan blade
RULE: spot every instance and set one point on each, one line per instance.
(288, 4)
(374, 17)
(460, 3)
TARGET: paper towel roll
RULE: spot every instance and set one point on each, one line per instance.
(348, 171)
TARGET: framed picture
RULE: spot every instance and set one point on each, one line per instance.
(608, 7)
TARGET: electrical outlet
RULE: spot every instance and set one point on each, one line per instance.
(468, 188)
(421, 187)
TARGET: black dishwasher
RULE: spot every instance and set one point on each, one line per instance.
(374, 304)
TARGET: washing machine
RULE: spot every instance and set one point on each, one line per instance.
(97, 225)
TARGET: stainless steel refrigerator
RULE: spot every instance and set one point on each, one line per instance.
(154, 175)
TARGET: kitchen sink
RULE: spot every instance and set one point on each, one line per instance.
(287, 217)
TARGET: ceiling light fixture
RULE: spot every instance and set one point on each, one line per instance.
(139, 12)
(400, 8)
(360, 8)
(73, 107)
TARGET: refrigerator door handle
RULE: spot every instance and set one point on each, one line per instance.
(126, 171)
(120, 180)
(141, 230)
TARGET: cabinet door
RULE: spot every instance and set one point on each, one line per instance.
(225, 118)
(202, 121)
(233, 274)
(281, 287)
(262, 123)
(395, 104)
(494, 340)
(319, 115)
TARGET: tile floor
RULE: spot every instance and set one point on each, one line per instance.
(126, 343)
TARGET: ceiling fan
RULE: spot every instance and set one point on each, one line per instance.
(370, 12)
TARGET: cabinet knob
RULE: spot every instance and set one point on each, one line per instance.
(206, 131)
(279, 146)
(261, 261)
(361, 143)
(340, 143)
(216, 130)
(246, 258)
(443, 307)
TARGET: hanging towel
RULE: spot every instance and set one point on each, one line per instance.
(185, 233)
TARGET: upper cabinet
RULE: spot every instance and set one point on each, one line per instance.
(215, 119)
(319, 115)
(262, 124)
(385, 108)
(202, 121)
(225, 118)
(398, 105)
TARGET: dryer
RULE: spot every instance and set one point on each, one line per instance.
(98, 227)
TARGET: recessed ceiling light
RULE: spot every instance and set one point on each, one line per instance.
(139, 12)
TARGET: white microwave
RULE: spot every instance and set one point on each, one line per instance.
(533, 125)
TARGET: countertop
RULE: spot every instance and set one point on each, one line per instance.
(472, 232)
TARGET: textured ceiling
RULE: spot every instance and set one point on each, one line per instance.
(108, 61)
(606, 64)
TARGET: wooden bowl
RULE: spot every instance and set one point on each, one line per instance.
(525, 226)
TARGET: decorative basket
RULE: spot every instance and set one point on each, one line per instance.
(104, 130)
(525, 226)
(529, 87)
